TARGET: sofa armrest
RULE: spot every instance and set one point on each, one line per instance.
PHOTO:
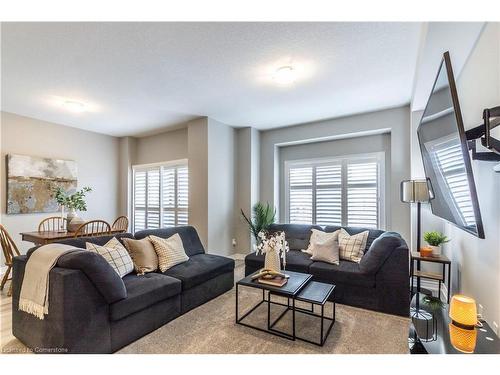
(381, 249)
(78, 318)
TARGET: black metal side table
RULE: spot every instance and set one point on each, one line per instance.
(439, 277)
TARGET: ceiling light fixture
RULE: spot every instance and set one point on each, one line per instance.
(285, 75)
(74, 106)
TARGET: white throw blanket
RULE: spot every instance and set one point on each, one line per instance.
(34, 298)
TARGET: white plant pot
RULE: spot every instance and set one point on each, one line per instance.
(436, 250)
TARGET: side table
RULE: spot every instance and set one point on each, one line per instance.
(439, 277)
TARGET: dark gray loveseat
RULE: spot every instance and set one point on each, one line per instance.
(379, 282)
(93, 310)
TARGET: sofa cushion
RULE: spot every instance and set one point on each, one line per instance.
(200, 268)
(372, 233)
(189, 236)
(345, 273)
(98, 271)
(297, 235)
(144, 291)
(295, 261)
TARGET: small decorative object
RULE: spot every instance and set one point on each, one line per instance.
(426, 251)
(274, 246)
(72, 202)
(75, 223)
(463, 314)
(435, 240)
(263, 216)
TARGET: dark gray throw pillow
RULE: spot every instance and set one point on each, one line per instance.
(380, 249)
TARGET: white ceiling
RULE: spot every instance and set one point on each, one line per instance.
(138, 78)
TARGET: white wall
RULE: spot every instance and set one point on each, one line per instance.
(96, 155)
(221, 187)
(475, 262)
(171, 145)
(337, 148)
(394, 121)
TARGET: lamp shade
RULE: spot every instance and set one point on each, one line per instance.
(463, 310)
(464, 340)
(413, 191)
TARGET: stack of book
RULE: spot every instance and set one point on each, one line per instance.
(270, 277)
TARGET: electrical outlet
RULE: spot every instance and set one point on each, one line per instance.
(234, 242)
(480, 310)
(495, 328)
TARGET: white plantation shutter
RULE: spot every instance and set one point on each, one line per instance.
(343, 191)
(160, 196)
(451, 164)
(362, 194)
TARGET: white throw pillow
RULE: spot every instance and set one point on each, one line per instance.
(327, 251)
(115, 254)
(319, 236)
(352, 247)
(170, 251)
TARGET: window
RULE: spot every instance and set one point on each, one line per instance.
(160, 196)
(343, 191)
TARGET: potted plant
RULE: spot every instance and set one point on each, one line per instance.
(73, 202)
(263, 216)
(274, 247)
(435, 240)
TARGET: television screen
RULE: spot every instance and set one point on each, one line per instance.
(446, 157)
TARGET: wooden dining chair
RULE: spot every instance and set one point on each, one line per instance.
(10, 250)
(121, 223)
(54, 223)
(93, 228)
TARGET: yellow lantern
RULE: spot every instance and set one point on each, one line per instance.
(463, 340)
(463, 311)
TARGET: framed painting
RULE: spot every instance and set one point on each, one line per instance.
(31, 182)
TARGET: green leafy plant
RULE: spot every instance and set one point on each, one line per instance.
(435, 238)
(74, 201)
(263, 216)
(434, 303)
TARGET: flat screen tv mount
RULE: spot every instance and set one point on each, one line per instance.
(491, 118)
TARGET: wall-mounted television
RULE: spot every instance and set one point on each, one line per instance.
(446, 156)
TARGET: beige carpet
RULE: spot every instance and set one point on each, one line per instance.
(211, 329)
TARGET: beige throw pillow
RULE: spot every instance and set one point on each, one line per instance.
(170, 251)
(319, 236)
(352, 247)
(143, 254)
(327, 251)
(115, 254)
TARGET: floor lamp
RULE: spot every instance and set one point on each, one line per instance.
(417, 191)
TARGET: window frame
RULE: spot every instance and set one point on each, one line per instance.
(160, 165)
(343, 160)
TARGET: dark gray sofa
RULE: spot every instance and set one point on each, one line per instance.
(379, 282)
(93, 310)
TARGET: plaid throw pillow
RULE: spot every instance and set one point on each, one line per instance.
(115, 254)
(170, 251)
(352, 247)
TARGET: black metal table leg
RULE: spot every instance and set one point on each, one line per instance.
(236, 303)
(449, 282)
(293, 318)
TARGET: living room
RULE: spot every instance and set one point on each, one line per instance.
(251, 187)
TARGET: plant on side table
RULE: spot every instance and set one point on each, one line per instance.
(435, 240)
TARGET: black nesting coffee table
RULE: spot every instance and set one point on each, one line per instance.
(299, 287)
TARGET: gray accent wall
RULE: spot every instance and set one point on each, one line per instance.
(394, 121)
(337, 148)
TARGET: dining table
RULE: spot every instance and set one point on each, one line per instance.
(45, 237)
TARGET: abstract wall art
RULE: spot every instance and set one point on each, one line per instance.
(31, 181)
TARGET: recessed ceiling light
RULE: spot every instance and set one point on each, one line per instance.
(74, 106)
(285, 75)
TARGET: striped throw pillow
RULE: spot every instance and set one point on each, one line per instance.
(352, 247)
(170, 251)
(115, 254)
